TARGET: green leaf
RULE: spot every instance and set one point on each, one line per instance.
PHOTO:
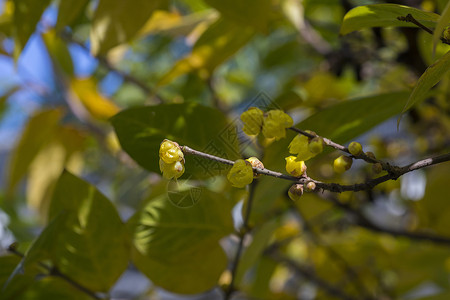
(37, 132)
(4, 98)
(341, 122)
(239, 11)
(429, 78)
(443, 21)
(384, 15)
(27, 14)
(69, 11)
(8, 263)
(53, 288)
(178, 248)
(58, 52)
(142, 129)
(85, 239)
(217, 44)
(117, 21)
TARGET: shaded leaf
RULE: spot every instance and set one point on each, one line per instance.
(142, 129)
(27, 14)
(85, 239)
(429, 78)
(69, 11)
(255, 13)
(53, 288)
(217, 44)
(37, 132)
(8, 263)
(116, 22)
(4, 98)
(384, 15)
(178, 248)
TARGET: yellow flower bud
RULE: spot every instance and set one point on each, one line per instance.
(173, 170)
(295, 192)
(342, 164)
(240, 174)
(170, 152)
(275, 124)
(355, 148)
(295, 167)
(253, 120)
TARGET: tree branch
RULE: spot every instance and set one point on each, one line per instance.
(333, 187)
(245, 229)
(310, 275)
(104, 61)
(53, 271)
(340, 261)
(363, 221)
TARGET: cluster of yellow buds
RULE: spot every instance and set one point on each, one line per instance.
(306, 147)
(273, 124)
(171, 159)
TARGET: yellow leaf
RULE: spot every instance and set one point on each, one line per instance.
(98, 106)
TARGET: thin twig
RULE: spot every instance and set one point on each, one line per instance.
(308, 274)
(243, 233)
(333, 187)
(363, 221)
(53, 271)
(340, 261)
(104, 61)
(409, 18)
(386, 166)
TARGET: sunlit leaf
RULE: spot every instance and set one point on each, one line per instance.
(37, 132)
(217, 44)
(443, 21)
(6, 18)
(98, 106)
(49, 164)
(69, 11)
(85, 237)
(384, 15)
(174, 24)
(27, 14)
(116, 22)
(429, 78)
(142, 129)
(178, 248)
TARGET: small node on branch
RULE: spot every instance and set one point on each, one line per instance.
(295, 191)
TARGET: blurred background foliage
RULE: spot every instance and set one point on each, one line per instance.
(81, 191)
